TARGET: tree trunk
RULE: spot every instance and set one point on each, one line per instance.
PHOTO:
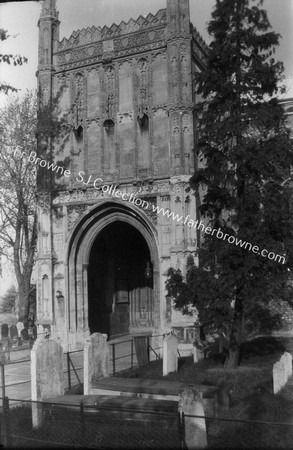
(236, 336)
(232, 360)
(24, 300)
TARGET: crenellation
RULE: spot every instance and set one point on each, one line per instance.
(95, 34)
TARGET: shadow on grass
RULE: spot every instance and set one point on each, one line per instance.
(251, 397)
(265, 345)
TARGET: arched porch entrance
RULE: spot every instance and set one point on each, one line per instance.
(120, 282)
(113, 273)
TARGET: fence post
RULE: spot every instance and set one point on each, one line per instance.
(68, 370)
(82, 421)
(3, 378)
(148, 344)
(181, 424)
(113, 358)
(131, 353)
(7, 439)
(8, 349)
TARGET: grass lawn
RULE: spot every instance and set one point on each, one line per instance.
(251, 396)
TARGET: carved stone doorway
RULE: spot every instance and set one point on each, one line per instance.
(120, 283)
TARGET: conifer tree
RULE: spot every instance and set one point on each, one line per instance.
(245, 155)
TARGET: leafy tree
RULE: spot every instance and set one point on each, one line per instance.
(18, 217)
(245, 154)
(16, 60)
(8, 300)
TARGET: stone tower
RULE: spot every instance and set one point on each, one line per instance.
(116, 141)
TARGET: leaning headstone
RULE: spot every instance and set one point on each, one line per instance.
(4, 331)
(287, 361)
(96, 360)
(13, 332)
(278, 376)
(191, 404)
(170, 356)
(282, 371)
(47, 377)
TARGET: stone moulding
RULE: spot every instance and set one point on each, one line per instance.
(94, 53)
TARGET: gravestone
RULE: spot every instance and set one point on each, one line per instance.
(96, 360)
(282, 371)
(278, 376)
(141, 349)
(198, 354)
(13, 332)
(35, 332)
(287, 361)
(4, 331)
(24, 334)
(20, 327)
(170, 356)
(191, 403)
(47, 377)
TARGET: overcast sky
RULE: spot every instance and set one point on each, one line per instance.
(20, 18)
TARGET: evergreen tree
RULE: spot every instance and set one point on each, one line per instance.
(246, 153)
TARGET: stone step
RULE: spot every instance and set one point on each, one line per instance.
(123, 408)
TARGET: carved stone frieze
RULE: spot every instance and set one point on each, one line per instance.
(91, 194)
(101, 59)
(138, 39)
(152, 201)
(157, 108)
(143, 48)
(74, 213)
(78, 64)
(79, 54)
(44, 201)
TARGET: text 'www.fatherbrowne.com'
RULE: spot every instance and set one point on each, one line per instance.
(218, 232)
(113, 191)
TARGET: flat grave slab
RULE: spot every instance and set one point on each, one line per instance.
(149, 386)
